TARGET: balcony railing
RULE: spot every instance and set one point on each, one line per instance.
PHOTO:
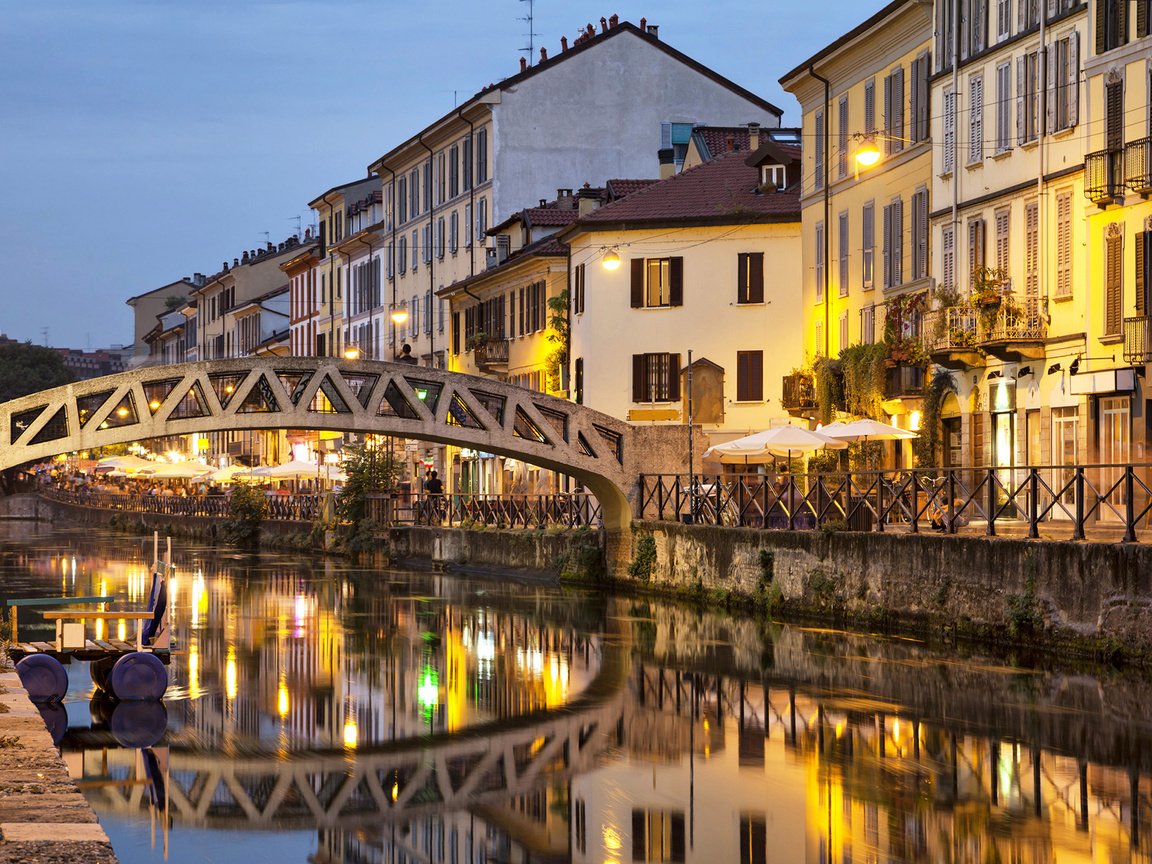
(1015, 321)
(493, 352)
(957, 328)
(950, 329)
(1137, 345)
(1104, 176)
(799, 393)
(1138, 166)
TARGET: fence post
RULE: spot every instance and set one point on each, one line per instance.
(990, 502)
(950, 485)
(1033, 504)
(880, 501)
(1078, 527)
(916, 503)
(716, 489)
(1129, 506)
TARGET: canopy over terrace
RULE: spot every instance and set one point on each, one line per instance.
(765, 446)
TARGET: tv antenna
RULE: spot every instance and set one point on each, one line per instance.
(531, 34)
(299, 229)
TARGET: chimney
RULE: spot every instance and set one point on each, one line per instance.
(753, 136)
(224, 267)
(587, 200)
(613, 20)
(563, 43)
(271, 247)
(729, 143)
(643, 25)
(603, 24)
(236, 261)
(667, 158)
(244, 257)
(523, 63)
(654, 31)
(543, 54)
(543, 202)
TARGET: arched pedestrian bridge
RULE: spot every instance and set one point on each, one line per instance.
(323, 393)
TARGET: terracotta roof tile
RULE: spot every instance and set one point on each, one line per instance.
(722, 189)
(618, 189)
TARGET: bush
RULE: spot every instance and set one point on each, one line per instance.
(247, 507)
(642, 565)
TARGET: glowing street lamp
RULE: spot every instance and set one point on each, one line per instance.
(351, 353)
(611, 260)
(399, 316)
(867, 151)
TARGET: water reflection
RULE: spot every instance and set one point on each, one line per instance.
(402, 717)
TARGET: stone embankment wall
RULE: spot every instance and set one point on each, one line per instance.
(1100, 592)
(43, 816)
(571, 554)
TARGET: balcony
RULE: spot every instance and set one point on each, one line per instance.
(1104, 176)
(799, 396)
(950, 336)
(1137, 345)
(491, 355)
(902, 381)
(1138, 166)
(1012, 328)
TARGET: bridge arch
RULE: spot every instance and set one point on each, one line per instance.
(324, 393)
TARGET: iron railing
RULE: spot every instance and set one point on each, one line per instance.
(299, 508)
(1137, 345)
(1138, 165)
(1110, 501)
(493, 352)
(557, 510)
(1016, 319)
(949, 329)
(1104, 176)
(799, 393)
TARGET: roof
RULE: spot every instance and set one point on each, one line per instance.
(319, 199)
(618, 189)
(546, 247)
(723, 190)
(168, 287)
(845, 39)
(713, 141)
(585, 43)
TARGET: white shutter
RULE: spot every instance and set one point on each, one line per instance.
(976, 119)
(1020, 132)
(949, 131)
(1050, 73)
(897, 242)
(898, 109)
(1073, 78)
(888, 246)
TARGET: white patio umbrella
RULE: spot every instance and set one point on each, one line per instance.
(777, 441)
(128, 464)
(300, 470)
(230, 474)
(866, 430)
(178, 470)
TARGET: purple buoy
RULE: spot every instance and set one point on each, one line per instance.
(138, 677)
(43, 677)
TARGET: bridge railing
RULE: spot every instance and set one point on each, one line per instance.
(1112, 501)
(299, 508)
(556, 510)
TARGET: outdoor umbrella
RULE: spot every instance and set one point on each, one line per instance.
(230, 474)
(178, 471)
(300, 470)
(128, 464)
(866, 430)
(777, 441)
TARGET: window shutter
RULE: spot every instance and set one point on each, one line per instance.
(743, 263)
(949, 131)
(676, 280)
(888, 114)
(870, 106)
(1074, 76)
(638, 388)
(638, 830)
(1020, 129)
(1021, 19)
(673, 377)
(1051, 9)
(897, 242)
(676, 823)
(887, 239)
(976, 120)
(1112, 285)
(1101, 16)
(1121, 23)
(756, 293)
(637, 283)
(1050, 77)
(1141, 18)
(1141, 274)
(898, 110)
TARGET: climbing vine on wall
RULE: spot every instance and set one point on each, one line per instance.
(927, 446)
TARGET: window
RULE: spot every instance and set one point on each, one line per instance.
(453, 171)
(441, 177)
(843, 269)
(578, 380)
(482, 156)
(949, 120)
(415, 246)
(1111, 24)
(1143, 250)
(578, 274)
(466, 162)
(655, 378)
(975, 119)
(973, 27)
(894, 111)
(468, 225)
(749, 376)
(819, 238)
(921, 69)
(1004, 19)
(428, 312)
(868, 245)
(1027, 14)
(1114, 115)
(868, 324)
(821, 348)
(1031, 248)
(675, 137)
(920, 234)
(657, 835)
(948, 257)
(439, 242)
(657, 282)
(818, 150)
(1113, 279)
(403, 257)
(1002, 222)
(894, 244)
(842, 137)
(414, 315)
(453, 232)
(414, 193)
(1063, 245)
(428, 185)
(749, 277)
(456, 333)
(441, 313)
(1003, 107)
(843, 330)
(481, 219)
(944, 37)
(402, 198)
(1027, 98)
(975, 245)
(870, 106)
(1063, 83)
(426, 243)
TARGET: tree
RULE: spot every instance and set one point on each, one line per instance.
(370, 469)
(26, 368)
(557, 336)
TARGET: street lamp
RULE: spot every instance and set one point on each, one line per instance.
(351, 353)
(867, 151)
(611, 260)
(399, 316)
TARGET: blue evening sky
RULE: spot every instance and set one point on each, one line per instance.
(144, 140)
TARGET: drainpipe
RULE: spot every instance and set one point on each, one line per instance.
(392, 258)
(956, 257)
(827, 212)
(331, 283)
(1042, 110)
(471, 191)
(431, 250)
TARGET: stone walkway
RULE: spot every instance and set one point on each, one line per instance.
(44, 819)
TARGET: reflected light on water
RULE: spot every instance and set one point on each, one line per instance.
(194, 671)
(230, 674)
(282, 698)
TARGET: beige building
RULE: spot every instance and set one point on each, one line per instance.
(866, 276)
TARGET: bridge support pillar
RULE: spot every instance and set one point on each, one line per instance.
(617, 551)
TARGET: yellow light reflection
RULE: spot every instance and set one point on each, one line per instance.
(395, 791)
(282, 698)
(230, 673)
(122, 630)
(350, 733)
(194, 671)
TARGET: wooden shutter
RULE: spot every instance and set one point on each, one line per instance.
(637, 283)
(1113, 263)
(1141, 18)
(1050, 53)
(1074, 76)
(1114, 116)
(976, 119)
(1101, 19)
(898, 109)
(756, 274)
(1141, 274)
(1121, 7)
(742, 277)
(897, 242)
(888, 115)
(673, 377)
(750, 376)
(1021, 132)
(676, 281)
(639, 843)
(639, 388)
(870, 106)
(887, 239)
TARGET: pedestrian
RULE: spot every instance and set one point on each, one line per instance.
(406, 355)
(433, 485)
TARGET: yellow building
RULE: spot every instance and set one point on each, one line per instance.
(865, 221)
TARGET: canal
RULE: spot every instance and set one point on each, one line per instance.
(325, 712)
